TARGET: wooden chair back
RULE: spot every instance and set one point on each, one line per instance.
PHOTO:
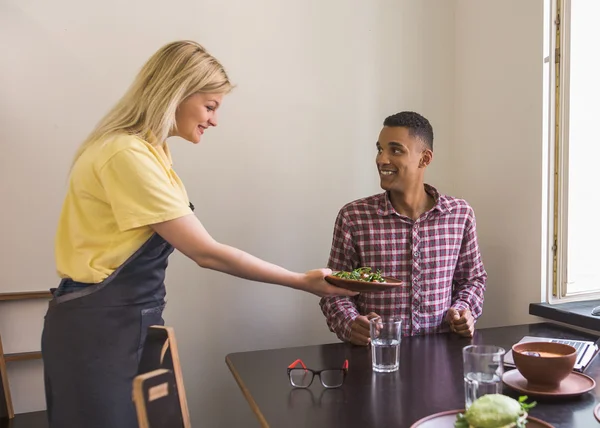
(160, 352)
(156, 400)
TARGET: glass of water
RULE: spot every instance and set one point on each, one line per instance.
(483, 369)
(385, 343)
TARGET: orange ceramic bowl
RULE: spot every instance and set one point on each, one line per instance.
(544, 364)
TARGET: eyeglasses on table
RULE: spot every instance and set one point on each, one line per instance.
(302, 377)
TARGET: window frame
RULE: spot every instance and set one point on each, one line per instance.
(558, 59)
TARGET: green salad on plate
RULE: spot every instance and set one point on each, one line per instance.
(361, 274)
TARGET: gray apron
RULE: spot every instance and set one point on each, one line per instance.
(92, 341)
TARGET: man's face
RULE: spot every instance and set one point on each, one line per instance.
(401, 159)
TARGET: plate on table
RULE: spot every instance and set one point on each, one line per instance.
(573, 385)
(364, 286)
(447, 419)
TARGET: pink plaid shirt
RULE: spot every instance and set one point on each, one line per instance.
(437, 257)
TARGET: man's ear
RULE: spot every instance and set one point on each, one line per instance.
(426, 158)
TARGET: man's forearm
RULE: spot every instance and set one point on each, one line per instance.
(339, 313)
(469, 296)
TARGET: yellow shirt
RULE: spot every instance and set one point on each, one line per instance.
(116, 190)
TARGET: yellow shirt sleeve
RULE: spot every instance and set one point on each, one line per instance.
(140, 189)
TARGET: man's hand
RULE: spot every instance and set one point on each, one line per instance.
(461, 322)
(361, 333)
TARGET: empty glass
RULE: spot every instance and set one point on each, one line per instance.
(483, 367)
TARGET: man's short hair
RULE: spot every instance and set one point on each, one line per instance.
(418, 126)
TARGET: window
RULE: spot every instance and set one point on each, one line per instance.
(574, 133)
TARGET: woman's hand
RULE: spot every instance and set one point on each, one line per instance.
(314, 282)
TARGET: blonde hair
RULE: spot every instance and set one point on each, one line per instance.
(147, 110)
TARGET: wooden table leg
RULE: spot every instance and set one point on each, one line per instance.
(6, 407)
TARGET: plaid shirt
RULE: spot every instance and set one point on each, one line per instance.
(437, 257)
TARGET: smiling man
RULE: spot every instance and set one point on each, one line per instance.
(413, 233)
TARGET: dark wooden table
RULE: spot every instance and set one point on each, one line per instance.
(26, 420)
(430, 380)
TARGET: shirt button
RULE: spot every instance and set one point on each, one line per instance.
(416, 254)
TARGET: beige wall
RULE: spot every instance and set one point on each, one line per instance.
(295, 142)
(498, 149)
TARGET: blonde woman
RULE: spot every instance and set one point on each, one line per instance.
(124, 213)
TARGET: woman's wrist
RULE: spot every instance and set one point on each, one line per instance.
(296, 281)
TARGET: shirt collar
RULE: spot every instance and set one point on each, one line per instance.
(161, 148)
(385, 207)
(167, 153)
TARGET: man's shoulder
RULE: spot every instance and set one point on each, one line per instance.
(458, 208)
(455, 203)
(366, 205)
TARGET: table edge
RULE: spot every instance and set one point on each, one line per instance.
(247, 394)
